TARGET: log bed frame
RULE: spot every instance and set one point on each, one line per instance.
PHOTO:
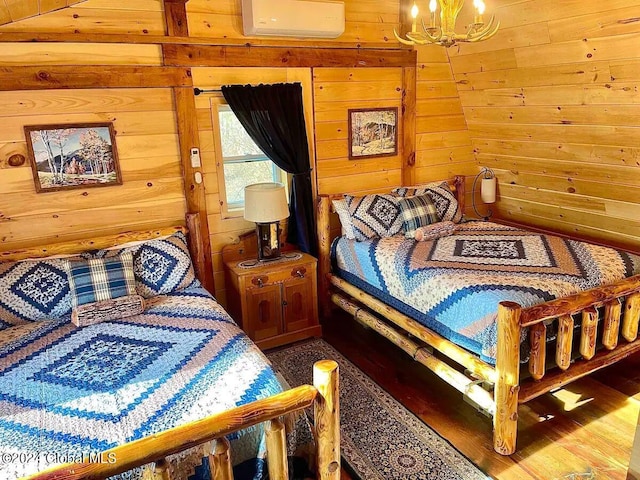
(616, 307)
(322, 395)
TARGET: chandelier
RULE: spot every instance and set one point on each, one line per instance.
(445, 34)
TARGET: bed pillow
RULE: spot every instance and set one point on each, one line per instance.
(374, 216)
(97, 287)
(100, 279)
(436, 230)
(417, 211)
(442, 196)
(160, 266)
(341, 208)
(107, 310)
(33, 290)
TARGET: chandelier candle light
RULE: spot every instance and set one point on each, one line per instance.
(445, 34)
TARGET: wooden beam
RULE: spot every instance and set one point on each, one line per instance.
(220, 460)
(408, 125)
(96, 243)
(193, 177)
(505, 420)
(253, 56)
(103, 76)
(324, 253)
(326, 419)
(175, 17)
(34, 37)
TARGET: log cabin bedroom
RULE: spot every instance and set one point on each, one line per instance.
(357, 239)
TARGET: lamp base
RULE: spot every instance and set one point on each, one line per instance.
(268, 235)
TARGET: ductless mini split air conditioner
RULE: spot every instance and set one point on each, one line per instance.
(293, 18)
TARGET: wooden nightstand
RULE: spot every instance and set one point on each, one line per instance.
(275, 302)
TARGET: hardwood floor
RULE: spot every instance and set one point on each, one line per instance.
(585, 428)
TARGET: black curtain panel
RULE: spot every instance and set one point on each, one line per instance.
(274, 118)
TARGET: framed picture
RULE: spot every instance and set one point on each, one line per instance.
(73, 156)
(373, 132)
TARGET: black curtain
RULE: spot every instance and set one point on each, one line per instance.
(274, 118)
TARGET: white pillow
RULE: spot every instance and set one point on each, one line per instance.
(341, 208)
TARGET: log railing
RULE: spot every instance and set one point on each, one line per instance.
(600, 305)
(323, 396)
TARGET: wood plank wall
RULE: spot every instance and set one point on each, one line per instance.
(12, 11)
(144, 17)
(552, 105)
(146, 137)
(443, 143)
(367, 21)
(336, 90)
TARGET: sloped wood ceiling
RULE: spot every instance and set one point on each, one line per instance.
(14, 10)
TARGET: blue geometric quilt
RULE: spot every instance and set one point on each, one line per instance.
(67, 393)
(453, 284)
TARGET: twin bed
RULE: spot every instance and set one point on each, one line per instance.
(493, 298)
(128, 394)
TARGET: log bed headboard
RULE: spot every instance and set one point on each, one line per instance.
(192, 230)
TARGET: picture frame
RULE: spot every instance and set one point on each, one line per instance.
(373, 132)
(69, 156)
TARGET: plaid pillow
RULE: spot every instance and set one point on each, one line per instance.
(161, 265)
(374, 216)
(417, 212)
(101, 279)
(441, 195)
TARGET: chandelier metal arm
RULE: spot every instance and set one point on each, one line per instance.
(444, 34)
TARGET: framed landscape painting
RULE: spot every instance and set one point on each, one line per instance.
(373, 132)
(73, 156)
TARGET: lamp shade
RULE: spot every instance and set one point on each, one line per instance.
(488, 190)
(265, 202)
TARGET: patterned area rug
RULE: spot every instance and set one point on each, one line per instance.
(380, 438)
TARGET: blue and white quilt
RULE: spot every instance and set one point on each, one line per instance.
(453, 284)
(67, 393)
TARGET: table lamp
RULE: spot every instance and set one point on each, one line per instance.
(266, 204)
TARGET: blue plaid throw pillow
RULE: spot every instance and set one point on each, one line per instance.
(416, 212)
(101, 279)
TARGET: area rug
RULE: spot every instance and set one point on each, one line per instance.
(380, 438)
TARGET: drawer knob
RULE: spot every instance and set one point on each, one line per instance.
(299, 272)
(260, 281)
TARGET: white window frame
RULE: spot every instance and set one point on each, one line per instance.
(232, 210)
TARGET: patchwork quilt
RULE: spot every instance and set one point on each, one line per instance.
(453, 284)
(68, 393)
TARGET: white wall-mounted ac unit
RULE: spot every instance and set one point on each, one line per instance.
(293, 18)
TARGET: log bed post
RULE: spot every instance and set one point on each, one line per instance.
(324, 254)
(505, 420)
(327, 419)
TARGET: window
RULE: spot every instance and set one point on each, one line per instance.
(240, 161)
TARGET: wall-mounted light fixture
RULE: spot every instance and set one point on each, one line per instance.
(487, 190)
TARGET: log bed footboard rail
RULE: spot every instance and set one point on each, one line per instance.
(615, 307)
(323, 395)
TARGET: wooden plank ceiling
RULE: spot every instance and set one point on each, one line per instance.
(14, 10)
